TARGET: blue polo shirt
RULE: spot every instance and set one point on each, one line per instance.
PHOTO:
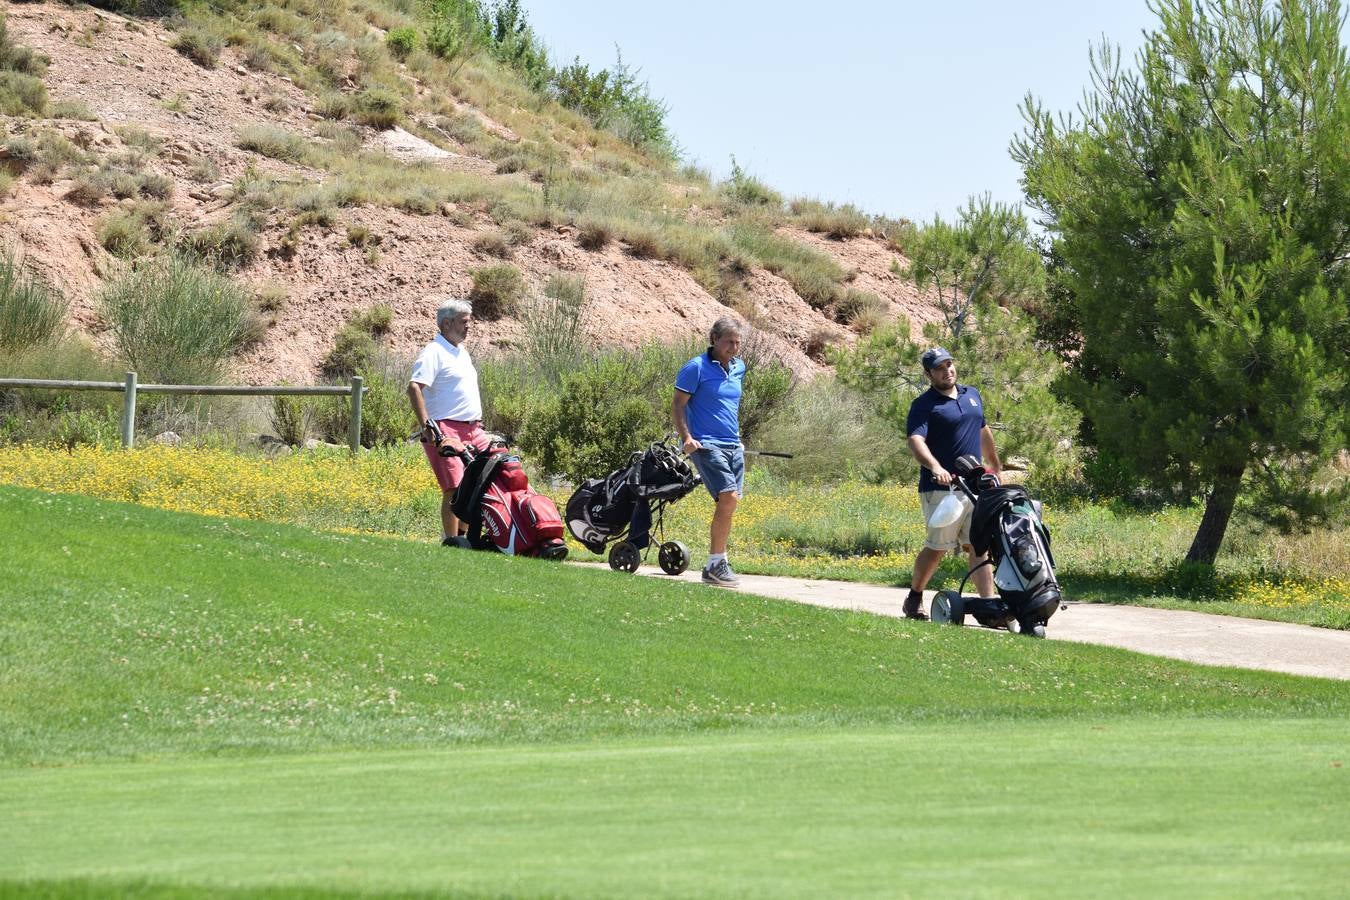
(714, 393)
(950, 425)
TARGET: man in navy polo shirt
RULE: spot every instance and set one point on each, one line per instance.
(706, 414)
(946, 422)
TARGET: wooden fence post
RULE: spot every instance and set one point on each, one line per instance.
(129, 411)
(354, 426)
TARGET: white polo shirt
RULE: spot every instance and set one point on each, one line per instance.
(449, 380)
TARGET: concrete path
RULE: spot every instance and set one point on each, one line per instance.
(1194, 637)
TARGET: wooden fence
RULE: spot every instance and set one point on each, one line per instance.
(130, 389)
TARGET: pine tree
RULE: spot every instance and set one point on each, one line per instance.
(1197, 212)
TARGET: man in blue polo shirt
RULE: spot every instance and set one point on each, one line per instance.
(706, 415)
(946, 422)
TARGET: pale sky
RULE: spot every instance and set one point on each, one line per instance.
(903, 108)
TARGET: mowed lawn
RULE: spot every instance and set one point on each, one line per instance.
(192, 706)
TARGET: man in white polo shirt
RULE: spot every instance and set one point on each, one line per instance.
(444, 394)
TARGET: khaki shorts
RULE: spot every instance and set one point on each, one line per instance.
(954, 536)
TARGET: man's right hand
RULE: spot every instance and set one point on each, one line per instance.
(430, 432)
(690, 446)
(942, 476)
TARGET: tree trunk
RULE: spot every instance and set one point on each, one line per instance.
(1218, 510)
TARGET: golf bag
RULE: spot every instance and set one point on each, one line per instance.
(503, 512)
(1006, 524)
(620, 507)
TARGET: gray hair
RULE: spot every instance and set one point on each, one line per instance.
(725, 325)
(452, 309)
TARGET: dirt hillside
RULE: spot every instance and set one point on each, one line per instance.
(125, 74)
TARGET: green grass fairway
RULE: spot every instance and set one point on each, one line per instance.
(192, 706)
(1140, 808)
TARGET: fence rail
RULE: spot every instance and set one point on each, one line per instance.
(129, 389)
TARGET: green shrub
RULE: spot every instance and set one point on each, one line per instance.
(232, 242)
(493, 243)
(594, 236)
(768, 385)
(292, 418)
(198, 45)
(175, 320)
(496, 291)
(124, 232)
(747, 190)
(376, 320)
(853, 304)
(401, 42)
(42, 416)
(553, 337)
(333, 106)
(378, 108)
(644, 242)
(361, 236)
(141, 139)
(72, 109)
(354, 347)
(203, 170)
(277, 143)
(31, 313)
(386, 419)
(512, 388)
(271, 297)
(22, 95)
(15, 58)
(352, 352)
(594, 424)
(838, 222)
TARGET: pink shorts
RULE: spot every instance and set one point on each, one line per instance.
(450, 469)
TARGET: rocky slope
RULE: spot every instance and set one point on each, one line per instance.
(125, 74)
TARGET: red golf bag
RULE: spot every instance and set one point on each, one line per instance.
(503, 512)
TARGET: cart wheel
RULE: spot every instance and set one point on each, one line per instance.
(673, 557)
(624, 557)
(947, 608)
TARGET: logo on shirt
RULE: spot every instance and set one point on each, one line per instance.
(974, 401)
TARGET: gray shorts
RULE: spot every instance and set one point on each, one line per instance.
(722, 469)
(955, 536)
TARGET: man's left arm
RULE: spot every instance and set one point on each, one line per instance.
(988, 451)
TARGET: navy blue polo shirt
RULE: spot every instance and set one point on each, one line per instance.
(950, 425)
(713, 413)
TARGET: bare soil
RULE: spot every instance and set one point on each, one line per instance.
(126, 74)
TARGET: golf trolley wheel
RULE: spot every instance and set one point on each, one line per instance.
(946, 608)
(673, 557)
(624, 557)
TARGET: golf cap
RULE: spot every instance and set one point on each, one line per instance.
(935, 356)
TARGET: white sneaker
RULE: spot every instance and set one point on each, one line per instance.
(720, 574)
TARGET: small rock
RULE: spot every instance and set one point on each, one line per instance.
(140, 67)
(241, 70)
(167, 438)
(313, 444)
(200, 195)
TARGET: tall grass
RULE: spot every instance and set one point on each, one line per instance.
(31, 312)
(175, 320)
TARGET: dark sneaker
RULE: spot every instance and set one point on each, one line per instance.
(912, 607)
(720, 574)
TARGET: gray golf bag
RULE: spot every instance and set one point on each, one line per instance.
(1006, 523)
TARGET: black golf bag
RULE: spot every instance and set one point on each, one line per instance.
(619, 509)
(1006, 523)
